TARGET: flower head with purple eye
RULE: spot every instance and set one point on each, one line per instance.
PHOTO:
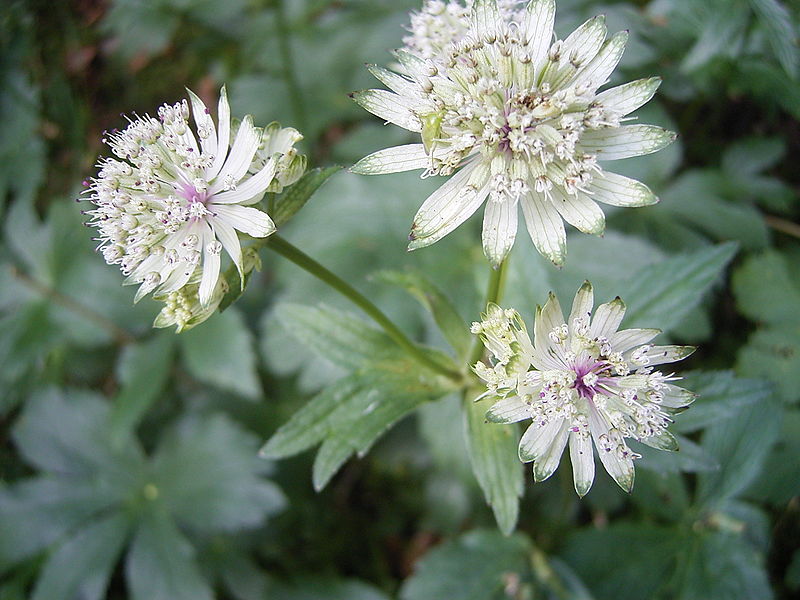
(170, 200)
(580, 381)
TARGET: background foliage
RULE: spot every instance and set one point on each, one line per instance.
(129, 456)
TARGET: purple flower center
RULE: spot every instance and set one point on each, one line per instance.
(587, 379)
(189, 193)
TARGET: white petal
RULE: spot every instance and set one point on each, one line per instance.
(509, 410)
(626, 339)
(583, 44)
(539, 30)
(178, 278)
(607, 318)
(677, 397)
(621, 469)
(203, 119)
(624, 99)
(251, 221)
(241, 155)
(230, 241)
(547, 318)
(547, 462)
(395, 82)
(618, 190)
(545, 227)
(599, 69)
(223, 135)
(251, 190)
(538, 438)
(580, 211)
(659, 355)
(211, 260)
(393, 160)
(499, 229)
(485, 17)
(662, 441)
(412, 64)
(582, 304)
(582, 459)
(449, 206)
(615, 143)
(390, 107)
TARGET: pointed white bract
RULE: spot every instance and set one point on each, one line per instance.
(172, 199)
(486, 86)
(581, 383)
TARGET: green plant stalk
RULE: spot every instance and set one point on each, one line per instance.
(280, 246)
(494, 292)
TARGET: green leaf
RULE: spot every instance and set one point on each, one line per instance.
(781, 481)
(475, 566)
(638, 548)
(749, 156)
(340, 337)
(493, 452)
(82, 565)
(453, 327)
(143, 370)
(661, 295)
(160, 564)
(326, 589)
(352, 413)
(740, 445)
(296, 196)
(689, 458)
(68, 434)
(774, 353)
(721, 565)
(221, 353)
(720, 396)
(37, 512)
(766, 291)
(780, 32)
(208, 476)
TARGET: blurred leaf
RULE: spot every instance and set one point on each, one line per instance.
(765, 290)
(207, 475)
(67, 434)
(722, 566)
(780, 32)
(326, 589)
(38, 512)
(781, 481)
(453, 327)
(82, 565)
(220, 352)
(661, 295)
(638, 548)
(694, 198)
(476, 566)
(143, 371)
(493, 452)
(160, 563)
(774, 354)
(689, 458)
(296, 196)
(340, 337)
(740, 444)
(752, 155)
(718, 37)
(720, 396)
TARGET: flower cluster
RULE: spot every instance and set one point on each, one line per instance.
(170, 200)
(517, 118)
(580, 381)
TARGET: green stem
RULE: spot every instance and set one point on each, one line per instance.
(279, 245)
(497, 279)
(545, 574)
(287, 58)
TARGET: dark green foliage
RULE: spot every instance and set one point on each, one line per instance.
(129, 457)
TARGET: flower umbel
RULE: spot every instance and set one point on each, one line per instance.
(515, 118)
(171, 200)
(580, 381)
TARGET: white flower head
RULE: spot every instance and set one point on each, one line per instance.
(172, 199)
(581, 381)
(516, 119)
